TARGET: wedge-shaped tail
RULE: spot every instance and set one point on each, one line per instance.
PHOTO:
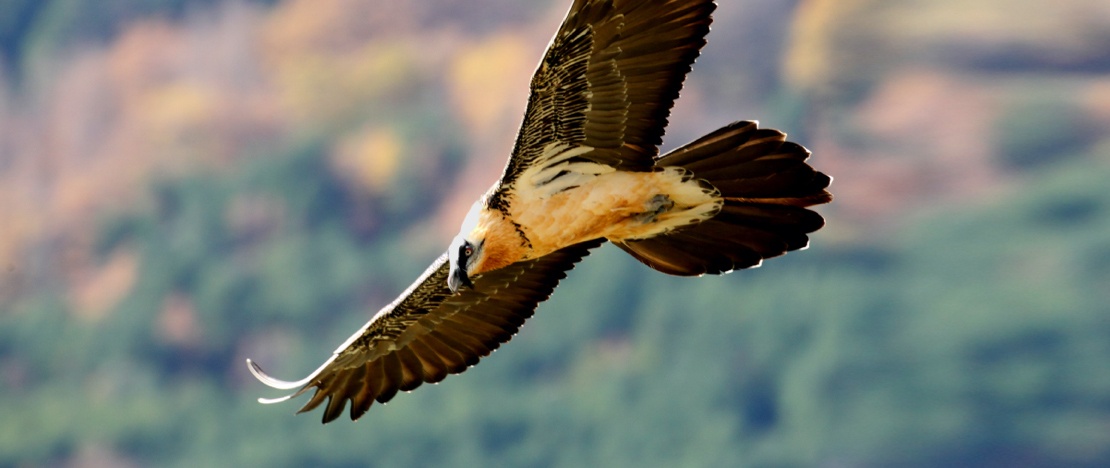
(766, 186)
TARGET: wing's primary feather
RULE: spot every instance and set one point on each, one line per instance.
(428, 333)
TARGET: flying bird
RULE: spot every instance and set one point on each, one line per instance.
(584, 170)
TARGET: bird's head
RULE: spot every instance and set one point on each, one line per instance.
(488, 240)
(467, 250)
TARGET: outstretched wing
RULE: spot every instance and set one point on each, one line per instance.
(428, 333)
(608, 81)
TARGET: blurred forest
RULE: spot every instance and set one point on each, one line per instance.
(187, 183)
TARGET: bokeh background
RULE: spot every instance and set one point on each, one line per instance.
(187, 183)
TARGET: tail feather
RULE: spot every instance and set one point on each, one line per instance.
(766, 186)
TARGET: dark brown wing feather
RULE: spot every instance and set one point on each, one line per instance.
(609, 80)
(428, 333)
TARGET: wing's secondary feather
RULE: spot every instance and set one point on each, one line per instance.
(428, 334)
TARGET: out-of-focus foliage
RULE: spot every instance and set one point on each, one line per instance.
(31, 29)
(846, 45)
(209, 181)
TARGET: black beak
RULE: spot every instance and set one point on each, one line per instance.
(458, 279)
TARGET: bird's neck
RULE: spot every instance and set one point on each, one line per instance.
(505, 243)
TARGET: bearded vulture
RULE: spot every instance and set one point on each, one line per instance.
(585, 169)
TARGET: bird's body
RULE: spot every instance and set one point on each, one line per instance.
(616, 206)
(581, 206)
(584, 170)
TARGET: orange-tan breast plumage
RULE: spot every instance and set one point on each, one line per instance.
(613, 204)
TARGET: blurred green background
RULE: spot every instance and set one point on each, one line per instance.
(187, 183)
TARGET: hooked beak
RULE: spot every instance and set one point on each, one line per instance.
(457, 279)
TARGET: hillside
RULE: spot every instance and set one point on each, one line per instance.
(186, 183)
